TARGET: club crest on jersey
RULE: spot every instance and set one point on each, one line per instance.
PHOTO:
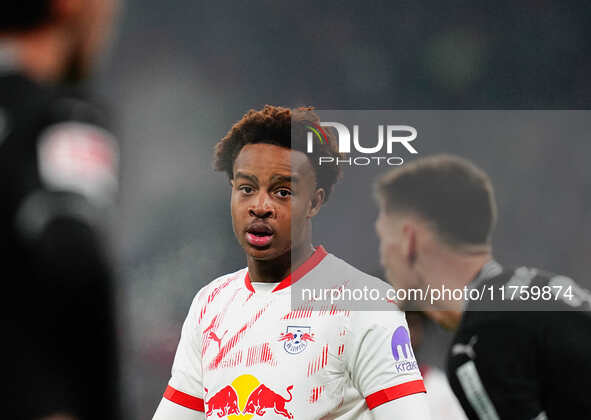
(296, 339)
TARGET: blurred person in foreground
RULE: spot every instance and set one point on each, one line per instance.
(520, 357)
(58, 173)
(443, 404)
(243, 349)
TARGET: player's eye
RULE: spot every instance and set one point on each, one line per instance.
(283, 193)
(246, 189)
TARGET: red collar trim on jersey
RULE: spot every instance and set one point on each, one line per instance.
(298, 273)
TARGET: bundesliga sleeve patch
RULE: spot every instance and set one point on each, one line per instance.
(80, 158)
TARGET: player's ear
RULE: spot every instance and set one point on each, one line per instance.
(409, 243)
(316, 202)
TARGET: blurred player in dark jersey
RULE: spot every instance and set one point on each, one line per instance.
(524, 356)
(58, 174)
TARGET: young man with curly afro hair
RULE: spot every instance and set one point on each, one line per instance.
(244, 350)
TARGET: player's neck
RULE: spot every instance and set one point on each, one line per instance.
(449, 320)
(454, 270)
(455, 267)
(41, 53)
(272, 271)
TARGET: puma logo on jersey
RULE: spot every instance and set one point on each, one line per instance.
(213, 336)
(467, 349)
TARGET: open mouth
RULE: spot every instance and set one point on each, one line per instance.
(259, 234)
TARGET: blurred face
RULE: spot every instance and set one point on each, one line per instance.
(273, 189)
(396, 250)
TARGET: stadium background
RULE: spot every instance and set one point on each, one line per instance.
(180, 73)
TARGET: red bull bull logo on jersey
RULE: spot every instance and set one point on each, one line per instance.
(224, 402)
(245, 398)
(296, 339)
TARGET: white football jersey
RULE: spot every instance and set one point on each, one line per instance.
(244, 352)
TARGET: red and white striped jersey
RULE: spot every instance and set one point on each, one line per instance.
(244, 352)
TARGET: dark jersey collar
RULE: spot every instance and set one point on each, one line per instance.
(488, 271)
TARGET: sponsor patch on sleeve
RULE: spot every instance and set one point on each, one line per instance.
(80, 158)
(402, 351)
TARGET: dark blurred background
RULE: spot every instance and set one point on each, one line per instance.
(182, 72)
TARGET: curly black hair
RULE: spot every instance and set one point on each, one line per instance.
(282, 127)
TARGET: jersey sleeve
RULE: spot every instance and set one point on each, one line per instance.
(168, 410)
(379, 357)
(413, 407)
(492, 370)
(185, 387)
